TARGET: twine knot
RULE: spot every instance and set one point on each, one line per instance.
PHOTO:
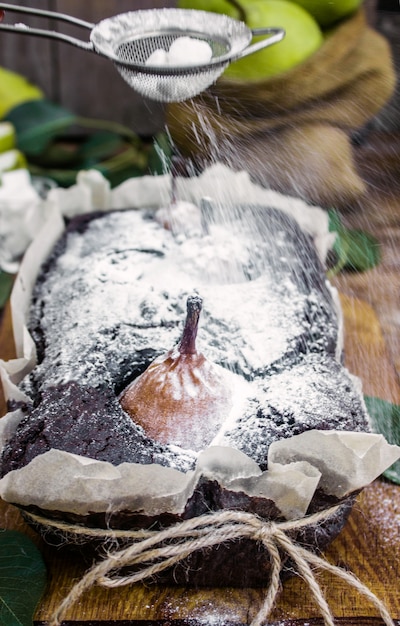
(264, 531)
(151, 552)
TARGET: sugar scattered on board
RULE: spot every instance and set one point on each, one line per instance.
(381, 500)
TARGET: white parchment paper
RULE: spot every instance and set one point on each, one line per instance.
(61, 481)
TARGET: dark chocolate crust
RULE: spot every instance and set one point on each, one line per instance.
(75, 387)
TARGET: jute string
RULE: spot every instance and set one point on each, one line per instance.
(155, 551)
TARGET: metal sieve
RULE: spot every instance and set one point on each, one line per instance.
(128, 39)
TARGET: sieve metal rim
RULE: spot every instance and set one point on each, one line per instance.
(236, 35)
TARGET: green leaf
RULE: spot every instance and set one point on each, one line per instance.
(100, 145)
(355, 250)
(6, 283)
(14, 90)
(37, 123)
(59, 154)
(126, 164)
(61, 176)
(22, 578)
(112, 127)
(385, 419)
(335, 223)
(363, 251)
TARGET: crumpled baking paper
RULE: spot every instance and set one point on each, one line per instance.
(61, 481)
(21, 214)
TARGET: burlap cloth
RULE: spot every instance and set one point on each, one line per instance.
(292, 132)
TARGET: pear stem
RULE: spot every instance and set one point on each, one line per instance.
(187, 344)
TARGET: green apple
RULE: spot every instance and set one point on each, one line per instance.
(327, 12)
(12, 160)
(215, 6)
(15, 90)
(7, 136)
(303, 37)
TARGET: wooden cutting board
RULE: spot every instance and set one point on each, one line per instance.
(369, 545)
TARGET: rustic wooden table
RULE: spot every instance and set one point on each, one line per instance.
(378, 159)
(369, 545)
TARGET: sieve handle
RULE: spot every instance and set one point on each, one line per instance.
(50, 34)
(277, 34)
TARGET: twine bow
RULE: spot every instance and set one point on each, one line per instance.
(153, 555)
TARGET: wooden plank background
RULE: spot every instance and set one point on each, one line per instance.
(83, 82)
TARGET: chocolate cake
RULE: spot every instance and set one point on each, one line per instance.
(112, 297)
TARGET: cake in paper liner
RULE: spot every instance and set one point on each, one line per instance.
(270, 319)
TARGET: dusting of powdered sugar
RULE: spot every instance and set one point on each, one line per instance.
(113, 297)
(382, 503)
(125, 283)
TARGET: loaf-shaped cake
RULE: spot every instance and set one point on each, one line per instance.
(216, 319)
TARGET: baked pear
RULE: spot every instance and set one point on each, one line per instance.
(182, 398)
